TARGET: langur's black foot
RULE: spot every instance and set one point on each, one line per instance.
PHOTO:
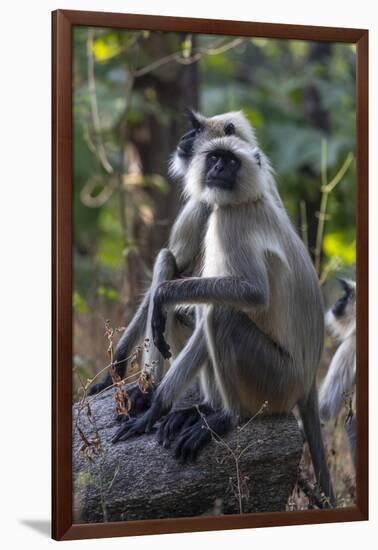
(194, 438)
(139, 401)
(178, 421)
(97, 388)
(141, 425)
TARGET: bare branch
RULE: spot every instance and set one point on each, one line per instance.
(326, 189)
(99, 145)
(197, 55)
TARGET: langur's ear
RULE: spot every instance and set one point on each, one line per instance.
(192, 117)
(229, 129)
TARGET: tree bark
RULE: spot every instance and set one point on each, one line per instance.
(139, 479)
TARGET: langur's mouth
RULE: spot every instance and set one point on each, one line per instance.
(339, 308)
(220, 183)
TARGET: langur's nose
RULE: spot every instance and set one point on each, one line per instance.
(219, 167)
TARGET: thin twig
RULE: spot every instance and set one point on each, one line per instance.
(326, 189)
(178, 58)
(237, 453)
(99, 145)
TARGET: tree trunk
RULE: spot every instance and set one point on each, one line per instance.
(139, 479)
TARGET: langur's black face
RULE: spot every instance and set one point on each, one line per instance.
(221, 169)
(186, 143)
(349, 295)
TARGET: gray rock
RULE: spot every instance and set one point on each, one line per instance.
(139, 479)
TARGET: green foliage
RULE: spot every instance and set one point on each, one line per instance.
(108, 292)
(79, 303)
(110, 248)
(278, 84)
(340, 245)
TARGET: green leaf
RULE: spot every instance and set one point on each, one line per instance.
(106, 47)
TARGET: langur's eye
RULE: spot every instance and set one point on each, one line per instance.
(213, 158)
(229, 129)
(232, 162)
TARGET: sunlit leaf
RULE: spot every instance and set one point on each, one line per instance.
(106, 47)
(336, 244)
(186, 47)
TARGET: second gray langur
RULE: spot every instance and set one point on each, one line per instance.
(339, 382)
(259, 312)
(181, 257)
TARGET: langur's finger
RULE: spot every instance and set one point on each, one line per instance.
(127, 435)
(173, 427)
(191, 420)
(164, 348)
(200, 442)
(129, 426)
(164, 433)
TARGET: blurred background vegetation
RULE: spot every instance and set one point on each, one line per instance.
(130, 91)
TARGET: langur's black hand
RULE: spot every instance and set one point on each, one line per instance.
(158, 322)
(141, 425)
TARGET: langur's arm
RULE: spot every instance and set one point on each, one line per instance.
(230, 291)
(233, 291)
(339, 380)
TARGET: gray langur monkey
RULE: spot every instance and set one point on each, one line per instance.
(340, 379)
(259, 313)
(182, 258)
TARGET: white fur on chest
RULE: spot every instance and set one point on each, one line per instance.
(214, 264)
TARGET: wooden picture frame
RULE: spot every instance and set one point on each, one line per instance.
(62, 24)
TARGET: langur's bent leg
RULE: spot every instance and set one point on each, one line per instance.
(309, 411)
(177, 422)
(180, 375)
(266, 372)
(165, 269)
(250, 366)
(180, 326)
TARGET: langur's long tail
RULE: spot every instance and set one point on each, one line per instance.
(309, 412)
